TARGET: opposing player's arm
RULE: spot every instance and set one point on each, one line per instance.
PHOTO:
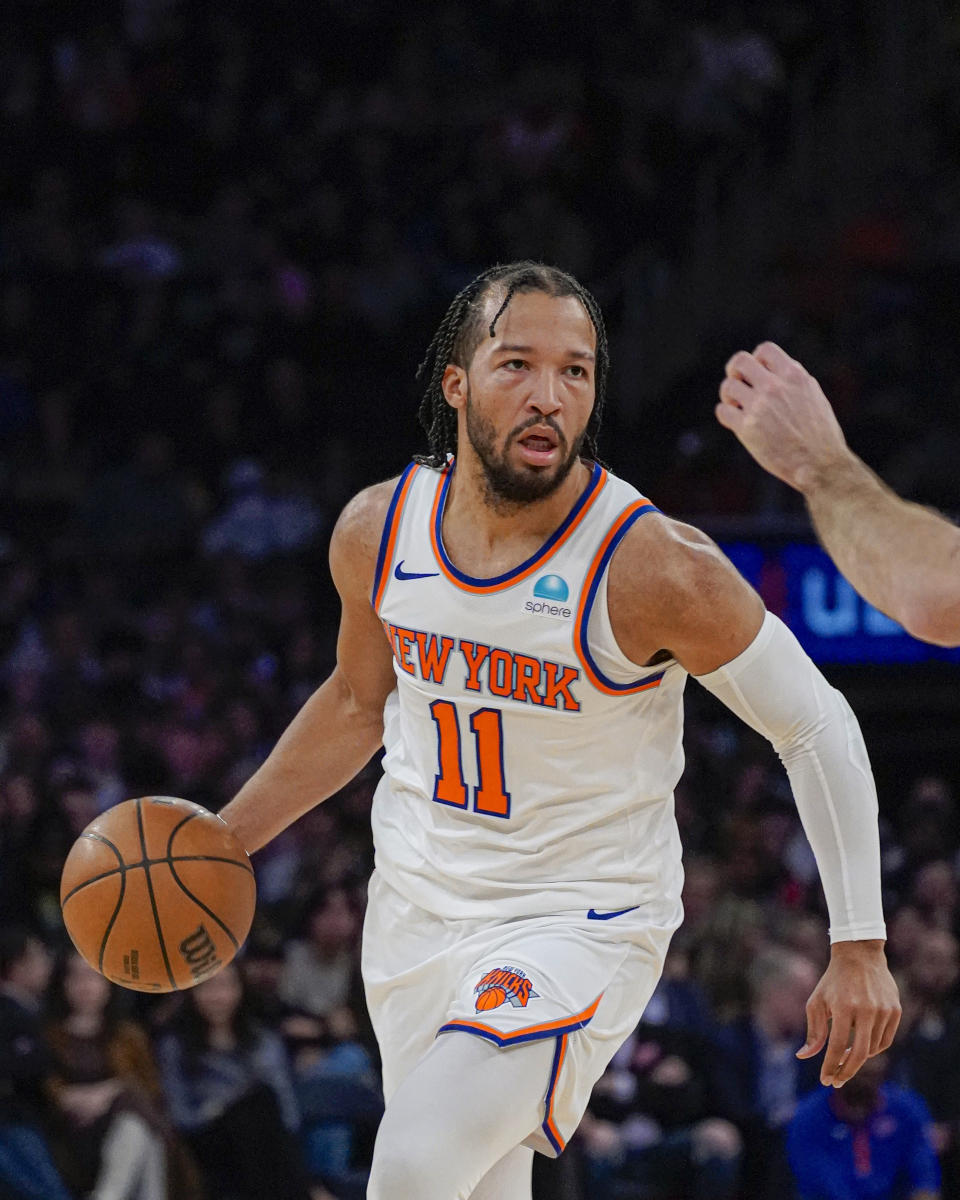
(905, 559)
(341, 726)
(671, 591)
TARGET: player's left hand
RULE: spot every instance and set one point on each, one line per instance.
(854, 1010)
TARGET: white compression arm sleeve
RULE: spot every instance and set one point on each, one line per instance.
(777, 690)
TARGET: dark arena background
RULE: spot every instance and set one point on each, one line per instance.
(227, 234)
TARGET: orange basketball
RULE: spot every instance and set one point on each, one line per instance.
(491, 997)
(157, 894)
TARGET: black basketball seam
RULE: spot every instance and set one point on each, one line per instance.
(234, 862)
(171, 857)
(153, 899)
(110, 923)
(98, 837)
(153, 862)
(175, 830)
(87, 882)
(200, 904)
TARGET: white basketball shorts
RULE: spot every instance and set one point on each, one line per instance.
(580, 980)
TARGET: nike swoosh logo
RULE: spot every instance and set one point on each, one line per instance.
(593, 915)
(400, 573)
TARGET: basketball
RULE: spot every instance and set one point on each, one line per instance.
(491, 997)
(157, 894)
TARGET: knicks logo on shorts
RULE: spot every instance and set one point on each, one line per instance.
(503, 985)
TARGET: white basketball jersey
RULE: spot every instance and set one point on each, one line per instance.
(529, 765)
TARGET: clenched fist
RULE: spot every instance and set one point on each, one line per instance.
(781, 415)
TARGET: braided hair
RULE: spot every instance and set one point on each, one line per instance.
(462, 330)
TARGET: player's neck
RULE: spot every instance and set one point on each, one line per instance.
(475, 516)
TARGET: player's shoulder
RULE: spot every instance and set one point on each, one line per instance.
(671, 588)
(355, 541)
(363, 517)
(660, 554)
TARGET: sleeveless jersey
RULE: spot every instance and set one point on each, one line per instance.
(529, 766)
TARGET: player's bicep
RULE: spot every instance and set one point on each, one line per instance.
(717, 616)
(673, 590)
(364, 660)
(363, 654)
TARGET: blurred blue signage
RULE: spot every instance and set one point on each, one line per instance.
(832, 622)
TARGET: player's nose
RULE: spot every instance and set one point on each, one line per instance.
(545, 395)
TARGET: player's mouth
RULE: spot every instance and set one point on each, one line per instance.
(539, 446)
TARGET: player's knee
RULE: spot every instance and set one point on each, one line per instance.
(716, 1138)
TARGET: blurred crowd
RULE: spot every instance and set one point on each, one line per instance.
(223, 236)
(123, 683)
(226, 235)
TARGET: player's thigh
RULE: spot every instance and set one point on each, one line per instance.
(461, 1110)
(509, 1179)
(409, 968)
(584, 995)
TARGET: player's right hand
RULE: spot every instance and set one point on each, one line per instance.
(854, 1010)
(780, 414)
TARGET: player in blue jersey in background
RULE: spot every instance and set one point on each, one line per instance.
(870, 1141)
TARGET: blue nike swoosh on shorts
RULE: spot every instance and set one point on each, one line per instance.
(400, 573)
(593, 915)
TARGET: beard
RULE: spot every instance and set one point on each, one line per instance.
(506, 484)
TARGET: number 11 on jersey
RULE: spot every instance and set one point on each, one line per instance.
(490, 796)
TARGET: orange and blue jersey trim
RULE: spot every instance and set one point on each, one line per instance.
(588, 596)
(549, 1126)
(388, 539)
(560, 1030)
(469, 583)
(529, 1033)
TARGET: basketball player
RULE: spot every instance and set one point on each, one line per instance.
(905, 559)
(517, 628)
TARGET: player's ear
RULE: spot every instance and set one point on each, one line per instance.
(454, 384)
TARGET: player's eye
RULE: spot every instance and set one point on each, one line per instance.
(515, 364)
(577, 370)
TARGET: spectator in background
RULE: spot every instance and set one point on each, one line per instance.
(760, 1079)
(110, 1140)
(868, 1140)
(336, 1080)
(926, 1056)
(99, 745)
(338, 1091)
(904, 933)
(652, 1128)
(928, 822)
(320, 969)
(722, 950)
(230, 1091)
(26, 1167)
(19, 817)
(934, 894)
(257, 524)
(76, 801)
